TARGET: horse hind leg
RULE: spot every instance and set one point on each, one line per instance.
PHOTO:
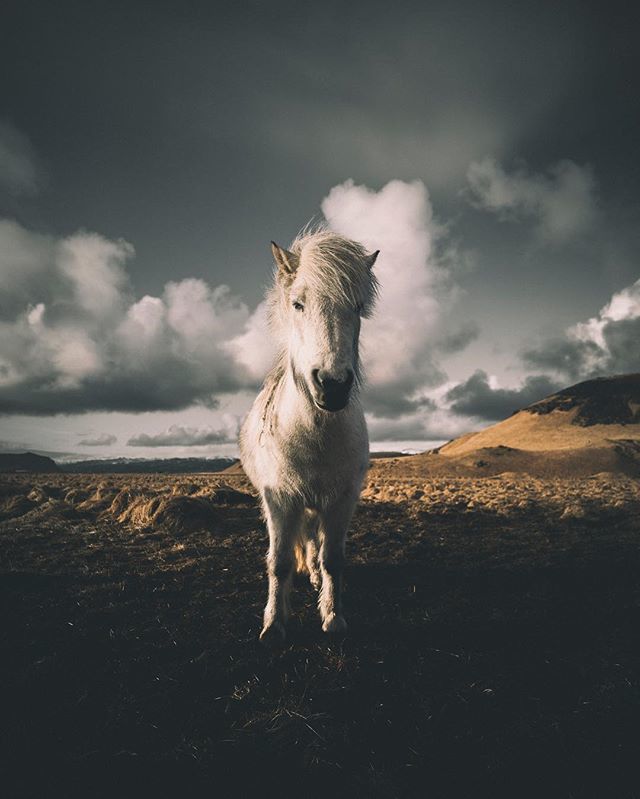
(307, 551)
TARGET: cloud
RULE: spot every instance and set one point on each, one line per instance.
(431, 424)
(561, 202)
(460, 339)
(443, 147)
(478, 397)
(608, 343)
(400, 342)
(25, 259)
(178, 436)
(18, 170)
(254, 349)
(102, 440)
(73, 337)
(411, 323)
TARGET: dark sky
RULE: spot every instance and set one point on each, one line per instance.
(199, 131)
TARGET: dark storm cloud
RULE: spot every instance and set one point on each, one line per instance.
(619, 353)
(459, 339)
(561, 202)
(18, 170)
(144, 390)
(396, 400)
(566, 356)
(475, 397)
(200, 132)
(178, 436)
(622, 340)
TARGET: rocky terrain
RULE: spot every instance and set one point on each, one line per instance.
(493, 622)
(493, 598)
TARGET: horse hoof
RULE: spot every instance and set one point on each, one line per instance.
(334, 625)
(273, 635)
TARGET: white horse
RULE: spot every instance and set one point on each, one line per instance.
(304, 444)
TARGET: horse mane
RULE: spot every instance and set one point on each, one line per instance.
(335, 267)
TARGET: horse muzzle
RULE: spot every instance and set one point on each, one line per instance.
(330, 394)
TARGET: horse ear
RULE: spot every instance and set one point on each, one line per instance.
(287, 261)
(371, 259)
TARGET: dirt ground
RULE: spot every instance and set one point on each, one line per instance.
(493, 646)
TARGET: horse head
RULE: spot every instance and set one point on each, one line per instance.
(323, 286)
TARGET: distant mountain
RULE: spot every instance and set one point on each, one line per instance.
(140, 465)
(26, 462)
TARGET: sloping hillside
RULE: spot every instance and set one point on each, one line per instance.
(585, 429)
(591, 414)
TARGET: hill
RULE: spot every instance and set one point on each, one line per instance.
(582, 430)
(27, 462)
(605, 400)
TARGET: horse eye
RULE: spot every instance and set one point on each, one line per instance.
(358, 309)
(298, 306)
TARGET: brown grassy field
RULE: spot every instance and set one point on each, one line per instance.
(493, 645)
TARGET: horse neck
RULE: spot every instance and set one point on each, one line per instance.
(295, 395)
(287, 404)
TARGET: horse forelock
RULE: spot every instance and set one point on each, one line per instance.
(335, 269)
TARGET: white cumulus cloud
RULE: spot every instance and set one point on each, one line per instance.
(411, 324)
(400, 342)
(73, 337)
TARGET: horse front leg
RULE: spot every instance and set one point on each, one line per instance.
(282, 521)
(333, 533)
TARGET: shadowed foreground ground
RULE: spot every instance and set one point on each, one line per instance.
(493, 646)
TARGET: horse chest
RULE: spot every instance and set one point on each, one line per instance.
(319, 464)
(323, 460)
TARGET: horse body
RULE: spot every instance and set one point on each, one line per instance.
(304, 444)
(301, 453)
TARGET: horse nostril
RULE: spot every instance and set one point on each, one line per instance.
(338, 385)
(332, 394)
(324, 380)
